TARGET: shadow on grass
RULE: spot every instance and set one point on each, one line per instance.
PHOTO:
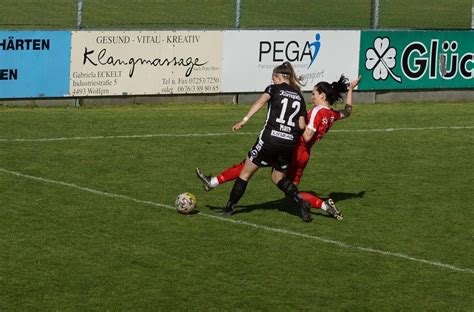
(288, 206)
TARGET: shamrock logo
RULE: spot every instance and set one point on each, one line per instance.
(381, 60)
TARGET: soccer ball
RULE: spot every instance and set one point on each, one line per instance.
(185, 203)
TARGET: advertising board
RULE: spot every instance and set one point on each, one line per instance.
(105, 63)
(391, 60)
(34, 63)
(316, 55)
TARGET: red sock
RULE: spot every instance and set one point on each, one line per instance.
(230, 173)
(315, 201)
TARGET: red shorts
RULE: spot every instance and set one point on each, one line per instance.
(299, 161)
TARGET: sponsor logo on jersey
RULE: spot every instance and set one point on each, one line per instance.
(256, 149)
(282, 135)
(290, 94)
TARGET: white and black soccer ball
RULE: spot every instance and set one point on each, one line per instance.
(185, 203)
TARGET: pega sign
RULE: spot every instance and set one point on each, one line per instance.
(417, 60)
(316, 55)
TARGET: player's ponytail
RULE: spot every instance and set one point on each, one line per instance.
(287, 71)
(334, 90)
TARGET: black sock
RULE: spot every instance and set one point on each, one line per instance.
(290, 189)
(237, 192)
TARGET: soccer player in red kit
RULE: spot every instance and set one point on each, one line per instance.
(319, 120)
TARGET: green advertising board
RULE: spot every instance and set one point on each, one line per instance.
(416, 60)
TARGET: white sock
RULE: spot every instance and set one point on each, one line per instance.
(214, 182)
(324, 206)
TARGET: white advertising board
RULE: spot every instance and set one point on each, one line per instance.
(107, 63)
(250, 55)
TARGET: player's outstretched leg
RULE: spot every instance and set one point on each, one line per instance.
(205, 179)
(230, 174)
(332, 209)
(313, 200)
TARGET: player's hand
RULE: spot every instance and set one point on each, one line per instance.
(238, 125)
(354, 83)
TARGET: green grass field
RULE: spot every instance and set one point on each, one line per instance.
(220, 14)
(87, 219)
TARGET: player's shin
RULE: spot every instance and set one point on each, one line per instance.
(230, 173)
(314, 201)
(291, 190)
(236, 194)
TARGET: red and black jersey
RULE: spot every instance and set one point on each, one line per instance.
(285, 107)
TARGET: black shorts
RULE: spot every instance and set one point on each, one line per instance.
(271, 154)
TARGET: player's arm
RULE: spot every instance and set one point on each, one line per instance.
(264, 98)
(309, 131)
(308, 134)
(346, 112)
(302, 123)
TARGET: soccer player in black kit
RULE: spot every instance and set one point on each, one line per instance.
(274, 147)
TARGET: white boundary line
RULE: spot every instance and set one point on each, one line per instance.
(165, 135)
(134, 136)
(405, 129)
(254, 225)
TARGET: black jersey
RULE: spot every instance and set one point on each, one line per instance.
(285, 107)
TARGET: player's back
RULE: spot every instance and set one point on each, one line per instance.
(285, 107)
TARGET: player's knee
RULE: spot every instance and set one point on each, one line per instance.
(287, 187)
(277, 176)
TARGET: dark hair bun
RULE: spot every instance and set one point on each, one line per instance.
(341, 86)
(334, 90)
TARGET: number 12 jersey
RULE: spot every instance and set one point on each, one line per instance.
(285, 107)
